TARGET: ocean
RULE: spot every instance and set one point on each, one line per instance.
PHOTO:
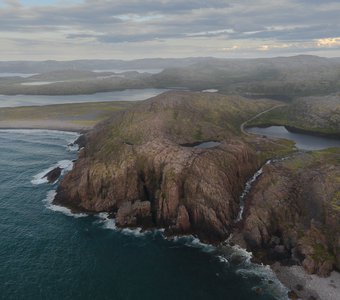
(46, 252)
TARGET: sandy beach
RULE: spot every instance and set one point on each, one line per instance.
(308, 286)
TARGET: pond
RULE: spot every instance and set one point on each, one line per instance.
(202, 145)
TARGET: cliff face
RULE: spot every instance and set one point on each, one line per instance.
(149, 167)
(293, 212)
(143, 168)
(165, 185)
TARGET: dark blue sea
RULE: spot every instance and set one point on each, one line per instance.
(46, 252)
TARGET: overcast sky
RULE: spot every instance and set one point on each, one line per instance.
(128, 29)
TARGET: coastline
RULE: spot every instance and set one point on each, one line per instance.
(292, 277)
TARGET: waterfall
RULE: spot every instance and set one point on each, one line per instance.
(247, 189)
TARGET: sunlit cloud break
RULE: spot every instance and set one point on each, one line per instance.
(329, 42)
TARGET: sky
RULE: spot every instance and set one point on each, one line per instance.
(130, 29)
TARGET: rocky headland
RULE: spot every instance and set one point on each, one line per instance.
(292, 213)
(146, 168)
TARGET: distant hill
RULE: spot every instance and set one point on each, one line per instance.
(282, 78)
(53, 65)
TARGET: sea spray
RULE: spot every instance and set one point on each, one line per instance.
(233, 257)
(41, 178)
(61, 209)
(239, 260)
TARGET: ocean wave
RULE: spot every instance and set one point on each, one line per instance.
(65, 165)
(72, 147)
(194, 242)
(187, 240)
(269, 282)
(231, 256)
(61, 209)
(239, 259)
(223, 259)
(109, 223)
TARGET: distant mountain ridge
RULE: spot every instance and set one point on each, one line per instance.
(148, 63)
(282, 78)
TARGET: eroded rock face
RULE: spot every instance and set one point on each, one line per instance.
(165, 185)
(134, 166)
(293, 210)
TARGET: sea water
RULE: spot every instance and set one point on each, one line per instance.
(46, 252)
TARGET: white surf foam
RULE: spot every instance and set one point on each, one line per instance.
(109, 223)
(65, 165)
(240, 259)
(223, 259)
(194, 242)
(246, 255)
(61, 209)
(269, 282)
(73, 147)
(187, 240)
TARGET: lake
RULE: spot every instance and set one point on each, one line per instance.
(303, 141)
(150, 71)
(23, 75)
(126, 95)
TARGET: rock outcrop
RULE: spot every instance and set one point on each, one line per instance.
(134, 166)
(293, 212)
(143, 168)
(53, 175)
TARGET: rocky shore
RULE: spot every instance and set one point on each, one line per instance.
(135, 167)
(306, 286)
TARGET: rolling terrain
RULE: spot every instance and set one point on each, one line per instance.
(314, 115)
(282, 78)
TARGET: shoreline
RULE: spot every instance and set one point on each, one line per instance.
(292, 129)
(294, 278)
(306, 286)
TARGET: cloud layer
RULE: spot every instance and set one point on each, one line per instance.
(163, 28)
